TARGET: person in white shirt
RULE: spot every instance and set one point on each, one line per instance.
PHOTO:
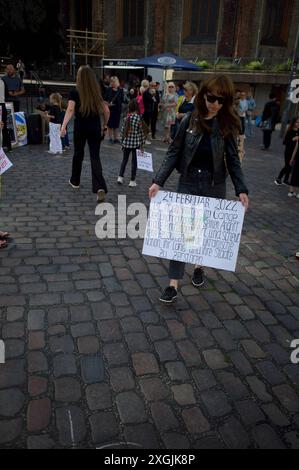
(243, 109)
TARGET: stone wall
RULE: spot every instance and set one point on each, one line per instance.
(238, 34)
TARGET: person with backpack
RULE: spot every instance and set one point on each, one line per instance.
(133, 137)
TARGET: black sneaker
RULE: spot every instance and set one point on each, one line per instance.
(198, 279)
(278, 182)
(169, 296)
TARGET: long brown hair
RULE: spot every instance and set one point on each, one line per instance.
(133, 108)
(228, 119)
(292, 124)
(90, 92)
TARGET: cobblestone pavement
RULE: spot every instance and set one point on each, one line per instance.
(93, 358)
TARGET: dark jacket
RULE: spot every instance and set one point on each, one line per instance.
(184, 147)
(148, 102)
(271, 113)
(290, 144)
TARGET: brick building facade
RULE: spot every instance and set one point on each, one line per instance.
(203, 29)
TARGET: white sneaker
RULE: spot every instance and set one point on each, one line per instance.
(147, 142)
(292, 195)
(73, 186)
(132, 184)
(120, 180)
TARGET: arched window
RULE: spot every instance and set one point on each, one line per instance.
(130, 20)
(277, 22)
(200, 21)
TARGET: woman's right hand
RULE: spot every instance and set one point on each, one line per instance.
(154, 189)
(62, 132)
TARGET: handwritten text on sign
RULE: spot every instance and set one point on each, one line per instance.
(195, 230)
(5, 163)
(145, 161)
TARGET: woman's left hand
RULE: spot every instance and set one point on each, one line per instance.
(244, 199)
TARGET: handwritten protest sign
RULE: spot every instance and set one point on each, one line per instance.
(145, 161)
(5, 163)
(195, 230)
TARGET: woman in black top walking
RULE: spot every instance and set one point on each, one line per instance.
(203, 150)
(290, 141)
(91, 117)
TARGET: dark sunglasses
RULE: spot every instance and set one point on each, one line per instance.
(214, 98)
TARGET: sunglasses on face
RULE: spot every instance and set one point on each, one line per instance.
(213, 98)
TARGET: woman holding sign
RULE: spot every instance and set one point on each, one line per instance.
(203, 150)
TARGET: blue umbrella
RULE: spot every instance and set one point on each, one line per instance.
(167, 61)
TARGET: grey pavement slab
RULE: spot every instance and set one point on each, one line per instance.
(93, 358)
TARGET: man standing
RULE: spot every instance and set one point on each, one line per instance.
(243, 108)
(249, 115)
(270, 119)
(14, 87)
(156, 99)
(21, 69)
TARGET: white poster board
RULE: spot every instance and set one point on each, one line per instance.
(5, 163)
(195, 230)
(21, 126)
(145, 161)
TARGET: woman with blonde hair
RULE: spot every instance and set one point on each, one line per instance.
(204, 151)
(91, 117)
(115, 98)
(54, 115)
(186, 104)
(169, 104)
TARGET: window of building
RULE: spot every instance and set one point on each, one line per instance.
(83, 9)
(130, 20)
(200, 21)
(277, 22)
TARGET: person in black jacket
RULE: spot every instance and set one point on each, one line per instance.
(290, 141)
(156, 100)
(203, 150)
(269, 120)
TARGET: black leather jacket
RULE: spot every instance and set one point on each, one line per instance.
(184, 147)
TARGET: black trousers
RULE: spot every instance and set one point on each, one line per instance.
(243, 125)
(147, 117)
(127, 153)
(286, 171)
(91, 133)
(5, 132)
(17, 106)
(267, 139)
(198, 183)
(6, 138)
(154, 123)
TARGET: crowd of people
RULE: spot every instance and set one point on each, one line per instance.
(195, 122)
